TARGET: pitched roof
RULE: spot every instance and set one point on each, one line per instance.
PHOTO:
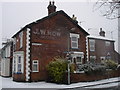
(49, 16)
(100, 37)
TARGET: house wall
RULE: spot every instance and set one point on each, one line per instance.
(22, 76)
(49, 39)
(5, 70)
(101, 50)
(6, 60)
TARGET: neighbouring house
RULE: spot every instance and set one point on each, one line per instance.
(36, 44)
(101, 48)
(6, 59)
(0, 61)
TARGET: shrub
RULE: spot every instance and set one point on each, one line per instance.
(110, 64)
(56, 70)
(91, 68)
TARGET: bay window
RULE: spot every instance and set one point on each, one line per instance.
(18, 62)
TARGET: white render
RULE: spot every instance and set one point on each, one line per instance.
(5, 67)
(27, 54)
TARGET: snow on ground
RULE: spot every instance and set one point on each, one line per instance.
(8, 83)
(104, 85)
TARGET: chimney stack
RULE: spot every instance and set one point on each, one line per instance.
(74, 18)
(51, 7)
(102, 33)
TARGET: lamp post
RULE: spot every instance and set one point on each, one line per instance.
(68, 69)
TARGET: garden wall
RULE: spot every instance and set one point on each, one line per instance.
(82, 77)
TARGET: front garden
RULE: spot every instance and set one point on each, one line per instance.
(57, 71)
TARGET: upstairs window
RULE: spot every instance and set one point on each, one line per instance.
(74, 40)
(14, 44)
(92, 44)
(107, 43)
(35, 66)
(21, 39)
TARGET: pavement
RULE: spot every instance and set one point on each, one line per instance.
(106, 83)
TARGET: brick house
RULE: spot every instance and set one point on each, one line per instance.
(101, 48)
(6, 59)
(39, 42)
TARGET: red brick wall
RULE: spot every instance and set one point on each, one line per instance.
(84, 77)
(52, 45)
(101, 50)
(21, 77)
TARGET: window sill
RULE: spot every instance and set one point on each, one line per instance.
(35, 71)
(17, 72)
(75, 48)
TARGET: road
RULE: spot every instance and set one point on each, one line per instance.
(110, 86)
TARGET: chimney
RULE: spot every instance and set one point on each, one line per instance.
(102, 33)
(51, 7)
(74, 18)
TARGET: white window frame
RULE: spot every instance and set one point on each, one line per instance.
(107, 43)
(16, 56)
(33, 63)
(72, 41)
(92, 44)
(21, 39)
(14, 64)
(19, 63)
(77, 60)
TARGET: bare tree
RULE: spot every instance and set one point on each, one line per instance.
(108, 8)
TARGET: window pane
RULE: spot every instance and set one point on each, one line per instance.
(74, 44)
(19, 67)
(92, 45)
(107, 43)
(35, 66)
(19, 59)
(78, 59)
(19, 64)
(74, 38)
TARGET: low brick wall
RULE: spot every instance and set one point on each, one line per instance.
(82, 77)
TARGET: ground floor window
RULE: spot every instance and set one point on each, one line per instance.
(35, 66)
(18, 62)
(92, 59)
(78, 60)
(77, 57)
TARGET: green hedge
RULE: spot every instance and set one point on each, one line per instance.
(56, 70)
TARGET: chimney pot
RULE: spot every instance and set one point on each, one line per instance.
(51, 7)
(102, 33)
(53, 2)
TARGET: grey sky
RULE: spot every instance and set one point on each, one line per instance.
(17, 14)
